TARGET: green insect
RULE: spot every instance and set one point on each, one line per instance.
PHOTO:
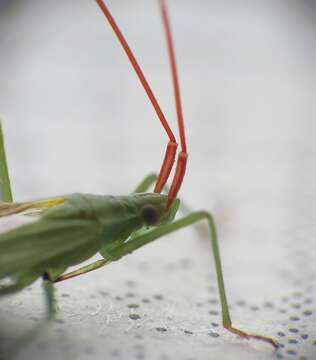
(57, 233)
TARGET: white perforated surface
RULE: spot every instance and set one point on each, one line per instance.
(76, 119)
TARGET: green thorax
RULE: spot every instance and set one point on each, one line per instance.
(116, 216)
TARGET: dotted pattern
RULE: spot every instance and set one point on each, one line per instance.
(143, 314)
(246, 75)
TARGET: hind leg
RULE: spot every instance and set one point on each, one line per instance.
(23, 280)
(11, 289)
(20, 283)
(19, 343)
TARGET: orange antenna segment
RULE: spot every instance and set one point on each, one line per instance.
(172, 145)
(182, 159)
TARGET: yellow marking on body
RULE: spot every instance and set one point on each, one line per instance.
(47, 203)
(30, 207)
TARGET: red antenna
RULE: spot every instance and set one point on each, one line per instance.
(183, 155)
(172, 145)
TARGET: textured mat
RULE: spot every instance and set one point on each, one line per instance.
(77, 120)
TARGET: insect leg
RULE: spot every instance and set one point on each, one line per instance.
(48, 287)
(25, 339)
(146, 183)
(27, 279)
(21, 281)
(83, 270)
(11, 289)
(5, 186)
(188, 220)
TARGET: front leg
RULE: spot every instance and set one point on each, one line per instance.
(149, 236)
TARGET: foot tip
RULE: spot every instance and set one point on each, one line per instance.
(248, 336)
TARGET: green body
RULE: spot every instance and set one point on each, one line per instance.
(74, 228)
(71, 233)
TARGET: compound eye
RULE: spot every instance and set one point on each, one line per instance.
(150, 215)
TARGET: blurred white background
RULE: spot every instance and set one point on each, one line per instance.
(77, 119)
